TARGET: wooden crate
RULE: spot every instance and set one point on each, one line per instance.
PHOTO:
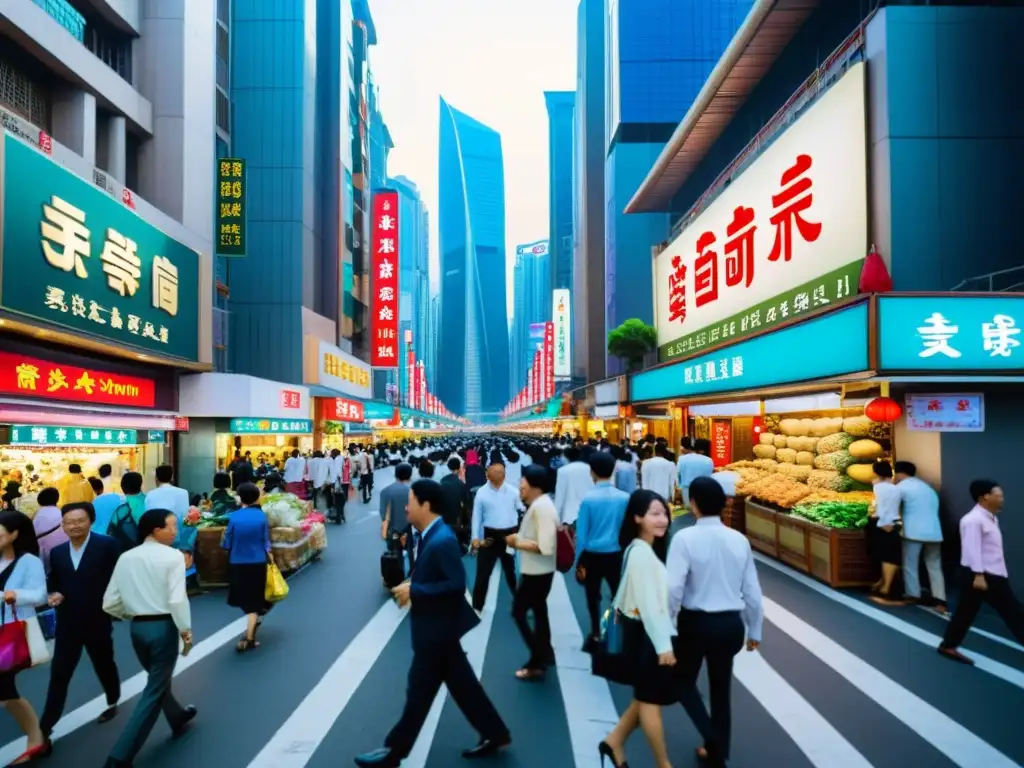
(794, 541)
(840, 558)
(761, 528)
(211, 559)
(733, 515)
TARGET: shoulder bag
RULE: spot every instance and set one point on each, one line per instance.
(620, 643)
(22, 642)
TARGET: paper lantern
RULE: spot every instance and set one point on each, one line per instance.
(874, 277)
(883, 409)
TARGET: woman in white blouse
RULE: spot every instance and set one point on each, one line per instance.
(23, 583)
(643, 596)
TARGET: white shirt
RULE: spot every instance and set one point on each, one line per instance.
(658, 474)
(495, 508)
(294, 469)
(336, 463)
(319, 471)
(169, 497)
(149, 580)
(514, 473)
(728, 480)
(711, 569)
(540, 525)
(76, 554)
(572, 483)
(887, 503)
(643, 594)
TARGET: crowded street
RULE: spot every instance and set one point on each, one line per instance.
(836, 683)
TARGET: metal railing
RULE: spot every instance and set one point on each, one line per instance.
(1000, 281)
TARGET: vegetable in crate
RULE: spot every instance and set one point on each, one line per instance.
(835, 514)
(838, 460)
(802, 443)
(866, 450)
(823, 427)
(832, 443)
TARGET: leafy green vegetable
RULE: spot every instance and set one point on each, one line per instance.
(835, 514)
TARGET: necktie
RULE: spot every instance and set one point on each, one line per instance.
(417, 540)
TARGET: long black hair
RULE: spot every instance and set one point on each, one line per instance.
(639, 502)
(16, 522)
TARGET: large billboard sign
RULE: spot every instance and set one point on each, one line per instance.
(384, 262)
(563, 333)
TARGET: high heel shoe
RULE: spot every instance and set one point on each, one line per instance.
(604, 749)
(34, 753)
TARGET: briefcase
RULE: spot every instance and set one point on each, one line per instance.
(392, 568)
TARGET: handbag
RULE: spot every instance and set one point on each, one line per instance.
(277, 587)
(617, 650)
(565, 550)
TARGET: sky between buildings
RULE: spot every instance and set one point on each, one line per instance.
(492, 59)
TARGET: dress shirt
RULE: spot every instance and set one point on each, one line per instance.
(319, 471)
(149, 580)
(47, 525)
(171, 498)
(294, 469)
(658, 474)
(711, 569)
(247, 538)
(981, 543)
(336, 463)
(496, 508)
(625, 476)
(643, 594)
(540, 525)
(105, 504)
(76, 554)
(920, 510)
(601, 513)
(887, 503)
(572, 483)
(690, 467)
(513, 473)
(727, 479)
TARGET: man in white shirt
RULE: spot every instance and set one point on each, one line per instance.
(495, 516)
(366, 475)
(295, 474)
(319, 470)
(658, 474)
(883, 531)
(572, 483)
(694, 463)
(168, 496)
(148, 587)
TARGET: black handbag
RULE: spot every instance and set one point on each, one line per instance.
(619, 649)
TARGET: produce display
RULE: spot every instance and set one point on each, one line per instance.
(834, 514)
(38, 467)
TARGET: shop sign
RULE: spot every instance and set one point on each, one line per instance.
(384, 263)
(343, 372)
(837, 343)
(561, 312)
(157, 436)
(549, 360)
(181, 424)
(721, 443)
(379, 411)
(33, 377)
(291, 399)
(78, 259)
(231, 209)
(28, 434)
(271, 427)
(946, 413)
(951, 333)
(342, 409)
(787, 236)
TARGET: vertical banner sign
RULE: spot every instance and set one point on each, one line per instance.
(384, 263)
(721, 443)
(231, 207)
(549, 360)
(563, 333)
(410, 377)
(529, 386)
(536, 377)
(414, 394)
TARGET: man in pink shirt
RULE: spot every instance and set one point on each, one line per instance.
(983, 577)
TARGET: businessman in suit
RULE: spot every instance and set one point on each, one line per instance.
(440, 616)
(79, 572)
(457, 502)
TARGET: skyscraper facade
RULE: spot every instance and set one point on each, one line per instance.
(560, 105)
(471, 186)
(658, 55)
(413, 272)
(531, 304)
(433, 352)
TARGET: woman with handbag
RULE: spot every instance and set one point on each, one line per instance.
(640, 609)
(23, 583)
(247, 540)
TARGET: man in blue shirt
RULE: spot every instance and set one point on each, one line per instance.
(598, 552)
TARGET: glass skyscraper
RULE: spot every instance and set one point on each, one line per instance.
(413, 274)
(531, 304)
(474, 381)
(560, 105)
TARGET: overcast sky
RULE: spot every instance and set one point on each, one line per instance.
(492, 59)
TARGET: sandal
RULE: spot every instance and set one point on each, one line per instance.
(527, 674)
(246, 644)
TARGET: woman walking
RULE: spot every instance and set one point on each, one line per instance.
(247, 541)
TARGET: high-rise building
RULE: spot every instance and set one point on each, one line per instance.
(471, 185)
(433, 352)
(560, 105)
(413, 273)
(658, 55)
(589, 336)
(531, 304)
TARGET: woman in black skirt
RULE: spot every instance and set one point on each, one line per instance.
(247, 541)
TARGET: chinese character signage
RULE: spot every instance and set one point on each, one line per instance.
(156, 436)
(946, 413)
(343, 409)
(231, 190)
(74, 257)
(27, 434)
(34, 377)
(835, 343)
(951, 333)
(384, 280)
(721, 443)
(563, 333)
(343, 372)
(291, 399)
(271, 427)
(549, 360)
(787, 236)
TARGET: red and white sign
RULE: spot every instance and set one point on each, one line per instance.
(721, 443)
(342, 409)
(549, 360)
(45, 143)
(127, 199)
(291, 399)
(34, 377)
(181, 424)
(384, 263)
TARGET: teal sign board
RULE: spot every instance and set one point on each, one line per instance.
(27, 434)
(830, 345)
(271, 426)
(72, 255)
(157, 436)
(951, 333)
(375, 410)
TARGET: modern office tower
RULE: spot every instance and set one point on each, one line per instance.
(560, 105)
(433, 358)
(474, 380)
(413, 273)
(531, 304)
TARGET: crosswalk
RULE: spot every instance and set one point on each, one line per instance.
(837, 683)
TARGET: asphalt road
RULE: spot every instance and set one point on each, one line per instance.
(837, 683)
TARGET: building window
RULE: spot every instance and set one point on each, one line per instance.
(64, 14)
(22, 95)
(223, 56)
(132, 150)
(223, 111)
(110, 46)
(224, 11)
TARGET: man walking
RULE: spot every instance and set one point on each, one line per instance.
(148, 587)
(394, 499)
(440, 617)
(495, 516)
(457, 502)
(922, 534)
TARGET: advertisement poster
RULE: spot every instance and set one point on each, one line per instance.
(549, 360)
(721, 443)
(563, 333)
(946, 413)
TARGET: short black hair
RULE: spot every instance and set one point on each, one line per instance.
(248, 493)
(602, 464)
(428, 492)
(454, 464)
(221, 481)
(75, 469)
(131, 483)
(97, 485)
(153, 520)
(709, 496)
(17, 522)
(882, 469)
(105, 470)
(426, 469)
(164, 473)
(905, 468)
(74, 506)
(981, 488)
(403, 472)
(571, 454)
(48, 497)
(536, 476)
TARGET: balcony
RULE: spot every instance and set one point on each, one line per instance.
(1003, 281)
(65, 14)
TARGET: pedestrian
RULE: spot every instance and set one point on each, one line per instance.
(922, 536)
(691, 465)
(74, 487)
(295, 474)
(983, 575)
(108, 499)
(80, 570)
(883, 532)
(495, 516)
(366, 475)
(572, 483)
(247, 540)
(47, 524)
(457, 502)
(537, 543)
(148, 588)
(658, 474)
(319, 469)
(440, 617)
(341, 474)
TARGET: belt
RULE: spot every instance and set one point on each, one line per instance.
(153, 617)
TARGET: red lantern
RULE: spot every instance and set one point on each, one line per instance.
(883, 409)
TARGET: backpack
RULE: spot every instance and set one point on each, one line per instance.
(123, 528)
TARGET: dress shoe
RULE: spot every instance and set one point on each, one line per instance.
(188, 714)
(108, 714)
(382, 757)
(487, 747)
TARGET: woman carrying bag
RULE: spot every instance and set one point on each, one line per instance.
(23, 583)
(247, 540)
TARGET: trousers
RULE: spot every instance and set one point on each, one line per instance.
(532, 597)
(932, 551)
(600, 568)
(486, 557)
(998, 595)
(98, 642)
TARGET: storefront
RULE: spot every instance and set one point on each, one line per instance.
(608, 410)
(340, 385)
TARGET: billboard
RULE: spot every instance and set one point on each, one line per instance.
(537, 332)
(384, 263)
(563, 333)
(538, 248)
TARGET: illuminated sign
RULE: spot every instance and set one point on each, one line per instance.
(549, 360)
(343, 372)
(231, 219)
(539, 248)
(563, 333)
(33, 377)
(343, 409)
(28, 434)
(384, 266)
(291, 399)
(271, 427)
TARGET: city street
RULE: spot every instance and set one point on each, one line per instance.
(837, 683)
